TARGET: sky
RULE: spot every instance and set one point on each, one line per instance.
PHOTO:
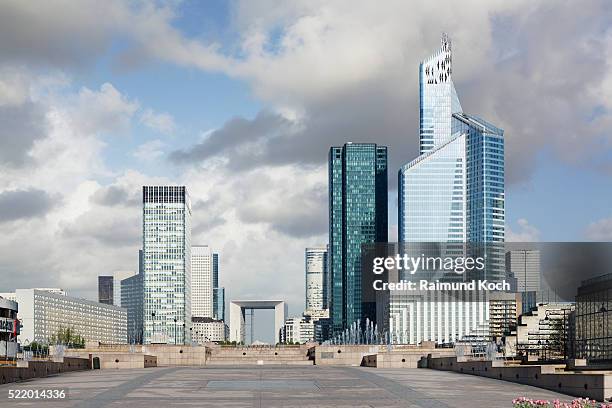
(241, 100)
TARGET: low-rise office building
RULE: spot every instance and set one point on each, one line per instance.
(298, 330)
(206, 329)
(43, 314)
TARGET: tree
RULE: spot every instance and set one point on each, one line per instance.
(67, 336)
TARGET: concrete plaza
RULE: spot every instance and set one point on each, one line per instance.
(275, 386)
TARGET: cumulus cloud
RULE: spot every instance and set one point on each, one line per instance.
(525, 233)
(600, 230)
(150, 150)
(353, 76)
(114, 195)
(350, 68)
(22, 126)
(103, 111)
(326, 73)
(24, 204)
(161, 122)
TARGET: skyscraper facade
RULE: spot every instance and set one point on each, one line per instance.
(437, 97)
(219, 304)
(523, 265)
(452, 193)
(357, 215)
(218, 292)
(316, 278)
(132, 297)
(201, 281)
(105, 290)
(167, 264)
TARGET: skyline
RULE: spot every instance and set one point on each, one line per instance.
(74, 178)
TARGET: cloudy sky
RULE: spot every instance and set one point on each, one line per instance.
(241, 100)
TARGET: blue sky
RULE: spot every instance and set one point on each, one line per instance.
(241, 100)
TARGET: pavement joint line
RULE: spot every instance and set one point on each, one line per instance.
(114, 394)
(402, 391)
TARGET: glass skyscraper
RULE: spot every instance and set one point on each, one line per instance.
(218, 292)
(167, 264)
(452, 193)
(132, 301)
(105, 290)
(357, 215)
(437, 97)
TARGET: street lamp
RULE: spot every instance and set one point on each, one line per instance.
(174, 331)
(153, 331)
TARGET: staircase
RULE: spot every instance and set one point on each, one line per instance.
(259, 355)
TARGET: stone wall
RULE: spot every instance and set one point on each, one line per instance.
(594, 385)
(140, 356)
(396, 357)
(109, 359)
(36, 369)
(260, 355)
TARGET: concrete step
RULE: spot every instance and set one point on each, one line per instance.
(255, 358)
(260, 362)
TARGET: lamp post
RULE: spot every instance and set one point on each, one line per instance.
(174, 331)
(153, 330)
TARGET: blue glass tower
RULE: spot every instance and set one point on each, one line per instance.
(218, 292)
(452, 193)
(437, 97)
(357, 215)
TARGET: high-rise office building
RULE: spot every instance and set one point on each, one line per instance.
(132, 300)
(167, 264)
(218, 292)
(201, 281)
(106, 290)
(357, 215)
(316, 278)
(437, 98)
(219, 304)
(523, 265)
(452, 193)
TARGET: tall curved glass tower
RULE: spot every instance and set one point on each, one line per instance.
(452, 193)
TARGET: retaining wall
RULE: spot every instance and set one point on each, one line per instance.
(37, 369)
(594, 385)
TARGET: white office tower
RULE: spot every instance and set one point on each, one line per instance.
(201, 281)
(316, 278)
(298, 330)
(167, 264)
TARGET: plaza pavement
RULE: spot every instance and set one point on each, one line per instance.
(275, 386)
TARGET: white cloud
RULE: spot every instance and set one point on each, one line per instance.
(526, 232)
(600, 230)
(14, 87)
(339, 71)
(103, 111)
(160, 122)
(150, 151)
